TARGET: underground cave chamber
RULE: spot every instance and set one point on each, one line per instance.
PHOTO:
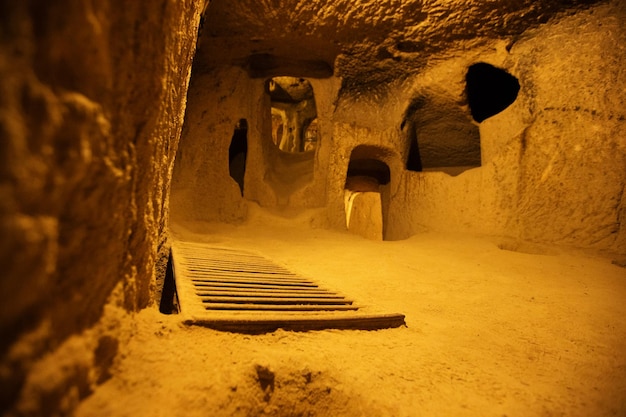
(460, 164)
(280, 151)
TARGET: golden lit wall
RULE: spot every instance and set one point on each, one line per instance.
(93, 97)
(552, 164)
(92, 102)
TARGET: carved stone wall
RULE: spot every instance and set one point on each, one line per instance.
(93, 97)
(553, 154)
(92, 104)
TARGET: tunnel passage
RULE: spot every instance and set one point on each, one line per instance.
(365, 193)
(238, 152)
(294, 114)
(489, 90)
(291, 136)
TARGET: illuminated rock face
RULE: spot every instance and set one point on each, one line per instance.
(91, 111)
(487, 127)
(93, 99)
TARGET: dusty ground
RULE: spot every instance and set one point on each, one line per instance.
(490, 332)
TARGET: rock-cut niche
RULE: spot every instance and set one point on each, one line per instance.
(441, 135)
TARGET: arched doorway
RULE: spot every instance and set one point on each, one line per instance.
(366, 194)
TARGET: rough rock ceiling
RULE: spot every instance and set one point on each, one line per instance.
(367, 42)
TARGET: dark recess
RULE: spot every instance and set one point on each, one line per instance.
(370, 168)
(414, 160)
(267, 65)
(168, 304)
(489, 90)
(409, 46)
(237, 153)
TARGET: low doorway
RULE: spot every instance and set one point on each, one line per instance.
(365, 197)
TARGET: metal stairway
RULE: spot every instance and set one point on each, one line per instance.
(234, 290)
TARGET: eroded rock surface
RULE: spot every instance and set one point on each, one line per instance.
(93, 98)
(408, 78)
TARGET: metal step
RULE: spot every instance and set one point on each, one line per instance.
(236, 290)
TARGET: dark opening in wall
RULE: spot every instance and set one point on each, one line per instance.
(409, 46)
(238, 152)
(294, 114)
(372, 168)
(414, 160)
(366, 192)
(169, 298)
(264, 65)
(489, 90)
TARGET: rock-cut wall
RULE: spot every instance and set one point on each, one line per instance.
(547, 168)
(92, 97)
(554, 162)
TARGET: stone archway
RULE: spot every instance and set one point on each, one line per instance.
(365, 194)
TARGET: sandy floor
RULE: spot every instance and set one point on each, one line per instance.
(490, 332)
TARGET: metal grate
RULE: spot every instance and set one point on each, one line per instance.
(237, 290)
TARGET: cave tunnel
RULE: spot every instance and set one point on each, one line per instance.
(440, 233)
